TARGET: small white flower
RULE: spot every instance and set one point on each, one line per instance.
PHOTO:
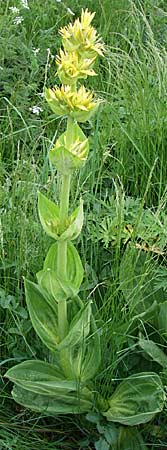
(36, 109)
(70, 12)
(41, 94)
(17, 20)
(36, 50)
(24, 4)
(50, 54)
(58, 1)
(14, 10)
(1, 68)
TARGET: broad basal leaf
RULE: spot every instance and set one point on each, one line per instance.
(74, 265)
(40, 377)
(71, 403)
(136, 400)
(43, 314)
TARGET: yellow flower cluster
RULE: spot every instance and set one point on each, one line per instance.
(71, 67)
(78, 104)
(81, 47)
(82, 37)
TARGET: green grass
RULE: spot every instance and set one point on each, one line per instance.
(123, 184)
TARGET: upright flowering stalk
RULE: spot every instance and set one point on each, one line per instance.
(76, 60)
(64, 323)
(62, 320)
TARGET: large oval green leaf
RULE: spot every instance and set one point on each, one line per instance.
(136, 400)
(43, 314)
(40, 377)
(69, 403)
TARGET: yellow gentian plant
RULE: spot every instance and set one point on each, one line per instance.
(65, 323)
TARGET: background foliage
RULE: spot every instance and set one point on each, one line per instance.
(123, 185)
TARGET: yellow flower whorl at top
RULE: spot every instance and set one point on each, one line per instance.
(81, 47)
(82, 37)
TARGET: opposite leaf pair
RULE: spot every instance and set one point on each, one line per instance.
(65, 230)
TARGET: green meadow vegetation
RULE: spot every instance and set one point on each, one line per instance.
(123, 242)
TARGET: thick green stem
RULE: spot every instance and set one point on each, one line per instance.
(62, 319)
(62, 246)
(62, 255)
(64, 198)
(69, 134)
